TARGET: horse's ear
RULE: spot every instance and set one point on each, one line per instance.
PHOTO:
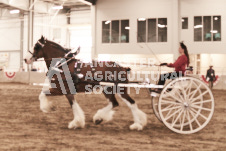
(42, 38)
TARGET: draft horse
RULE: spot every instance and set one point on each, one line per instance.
(49, 50)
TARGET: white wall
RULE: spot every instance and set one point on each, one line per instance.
(10, 43)
(80, 33)
(132, 10)
(9, 34)
(191, 8)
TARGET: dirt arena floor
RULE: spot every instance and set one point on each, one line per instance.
(24, 127)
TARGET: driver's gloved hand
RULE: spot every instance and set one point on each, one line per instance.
(163, 64)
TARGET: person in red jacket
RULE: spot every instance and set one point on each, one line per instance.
(180, 65)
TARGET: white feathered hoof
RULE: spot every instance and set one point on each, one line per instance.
(103, 116)
(45, 105)
(140, 118)
(48, 109)
(136, 126)
(76, 124)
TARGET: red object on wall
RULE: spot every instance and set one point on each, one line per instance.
(10, 75)
(203, 78)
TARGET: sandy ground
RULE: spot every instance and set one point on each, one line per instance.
(24, 127)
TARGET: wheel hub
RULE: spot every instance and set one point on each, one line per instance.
(186, 105)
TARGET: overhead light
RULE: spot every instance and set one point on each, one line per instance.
(107, 22)
(161, 26)
(15, 11)
(57, 7)
(215, 18)
(141, 19)
(198, 26)
(127, 27)
(214, 31)
(182, 20)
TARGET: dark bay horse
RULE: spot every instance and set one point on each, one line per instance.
(70, 76)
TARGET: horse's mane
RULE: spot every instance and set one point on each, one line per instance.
(58, 46)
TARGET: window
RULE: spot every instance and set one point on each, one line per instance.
(207, 28)
(152, 30)
(216, 28)
(115, 31)
(124, 31)
(162, 30)
(141, 31)
(184, 21)
(198, 28)
(106, 31)
(152, 36)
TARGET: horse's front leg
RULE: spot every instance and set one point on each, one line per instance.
(79, 117)
(45, 104)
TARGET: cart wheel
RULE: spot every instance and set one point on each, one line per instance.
(186, 105)
(155, 102)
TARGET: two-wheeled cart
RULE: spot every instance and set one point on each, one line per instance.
(185, 105)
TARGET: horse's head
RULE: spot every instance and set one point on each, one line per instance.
(37, 51)
(47, 49)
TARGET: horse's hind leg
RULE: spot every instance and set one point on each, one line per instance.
(106, 113)
(79, 117)
(139, 117)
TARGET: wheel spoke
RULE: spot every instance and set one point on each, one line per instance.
(173, 96)
(194, 92)
(192, 100)
(202, 108)
(182, 99)
(168, 102)
(201, 102)
(189, 87)
(174, 122)
(167, 109)
(189, 120)
(182, 124)
(172, 114)
(195, 117)
(183, 90)
(170, 110)
(199, 114)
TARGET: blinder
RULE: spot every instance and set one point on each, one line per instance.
(38, 46)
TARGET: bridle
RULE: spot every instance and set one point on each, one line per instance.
(34, 54)
(41, 45)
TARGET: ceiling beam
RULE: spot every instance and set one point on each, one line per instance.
(22, 4)
(93, 2)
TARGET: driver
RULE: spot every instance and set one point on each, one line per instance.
(180, 65)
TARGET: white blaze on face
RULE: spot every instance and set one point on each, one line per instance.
(28, 58)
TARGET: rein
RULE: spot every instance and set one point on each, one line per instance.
(57, 58)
